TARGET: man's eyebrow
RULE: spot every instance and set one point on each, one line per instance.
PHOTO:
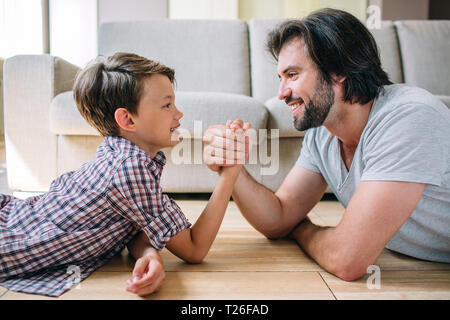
(289, 67)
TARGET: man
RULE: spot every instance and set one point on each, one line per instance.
(383, 149)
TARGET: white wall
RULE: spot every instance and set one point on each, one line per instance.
(20, 27)
(131, 10)
(73, 30)
(403, 9)
(74, 23)
(203, 9)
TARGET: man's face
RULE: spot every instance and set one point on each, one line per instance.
(302, 86)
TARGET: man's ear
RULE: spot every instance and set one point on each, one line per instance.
(124, 119)
(338, 79)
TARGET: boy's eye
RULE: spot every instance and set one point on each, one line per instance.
(167, 106)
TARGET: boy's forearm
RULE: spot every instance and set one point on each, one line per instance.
(259, 205)
(140, 247)
(207, 225)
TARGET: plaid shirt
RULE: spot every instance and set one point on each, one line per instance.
(50, 242)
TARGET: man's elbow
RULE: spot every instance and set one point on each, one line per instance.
(348, 270)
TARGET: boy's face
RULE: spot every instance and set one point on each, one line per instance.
(157, 117)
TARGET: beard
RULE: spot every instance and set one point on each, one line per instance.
(317, 109)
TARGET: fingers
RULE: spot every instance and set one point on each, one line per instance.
(236, 124)
(229, 143)
(140, 268)
(148, 276)
(150, 283)
(226, 145)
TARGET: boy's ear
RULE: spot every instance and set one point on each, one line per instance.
(124, 119)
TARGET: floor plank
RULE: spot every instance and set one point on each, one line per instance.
(234, 254)
(202, 285)
(393, 285)
(390, 260)
(3, 290)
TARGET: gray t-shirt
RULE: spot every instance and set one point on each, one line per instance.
(406, 138)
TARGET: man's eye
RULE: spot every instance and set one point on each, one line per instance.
(292, 74)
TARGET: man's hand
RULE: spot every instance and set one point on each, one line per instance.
(223, 147)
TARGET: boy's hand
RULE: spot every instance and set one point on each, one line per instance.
(148, 274)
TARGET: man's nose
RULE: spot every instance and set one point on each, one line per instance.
(284, 92)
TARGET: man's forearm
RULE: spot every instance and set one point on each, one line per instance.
(259, 205)
(320, 243)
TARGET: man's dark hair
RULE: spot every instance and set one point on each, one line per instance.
(110, 83)
(338, 43)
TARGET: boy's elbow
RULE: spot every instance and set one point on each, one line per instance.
(195, 258)
(274, 234)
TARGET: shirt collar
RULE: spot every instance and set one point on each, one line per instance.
(129, 148)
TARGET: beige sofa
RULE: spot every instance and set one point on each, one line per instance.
(222, 71)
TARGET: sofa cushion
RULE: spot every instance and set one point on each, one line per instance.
(209, 108)
(425, 47)
(280, 117)
(264, 75)
(388, 48)
(200, 109)
(207, 55)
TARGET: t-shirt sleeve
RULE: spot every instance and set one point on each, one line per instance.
(136, 196)
(307, 158)
(409, 145)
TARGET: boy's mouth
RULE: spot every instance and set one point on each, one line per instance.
(175, 128)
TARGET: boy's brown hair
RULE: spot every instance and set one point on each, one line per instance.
(115, 82)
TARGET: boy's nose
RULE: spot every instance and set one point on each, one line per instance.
(178, 114)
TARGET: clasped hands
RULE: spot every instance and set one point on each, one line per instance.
(226, 145)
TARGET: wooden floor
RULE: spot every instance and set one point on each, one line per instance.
(242, 264)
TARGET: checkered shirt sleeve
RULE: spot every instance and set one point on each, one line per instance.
(137, 196)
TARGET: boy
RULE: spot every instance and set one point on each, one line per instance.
(89, 215)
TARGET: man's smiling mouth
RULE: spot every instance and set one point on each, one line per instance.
(296, 105)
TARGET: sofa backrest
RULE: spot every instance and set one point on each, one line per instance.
(263, 72)
(207, 55)
(425, 48)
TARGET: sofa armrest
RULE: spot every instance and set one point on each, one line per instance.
(30, 83)
(445, 100)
